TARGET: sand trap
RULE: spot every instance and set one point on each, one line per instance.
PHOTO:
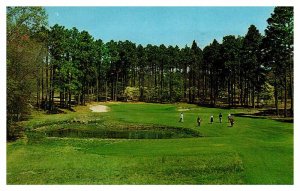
(99, 108)
(183, 109)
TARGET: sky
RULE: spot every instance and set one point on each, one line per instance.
(161, 25)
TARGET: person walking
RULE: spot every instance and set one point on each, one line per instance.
(181, 117)
(220, 117)
(199, 121)
(211, 119)
(231, 121)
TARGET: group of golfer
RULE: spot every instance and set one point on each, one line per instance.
(230, 119)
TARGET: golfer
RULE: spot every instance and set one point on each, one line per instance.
(229, 116)
(231, 121)
(181, 117)
(199, 121)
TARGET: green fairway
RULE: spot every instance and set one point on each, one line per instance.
(146, 144)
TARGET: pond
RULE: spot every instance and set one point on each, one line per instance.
(152, 132)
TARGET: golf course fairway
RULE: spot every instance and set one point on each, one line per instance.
(141, 143)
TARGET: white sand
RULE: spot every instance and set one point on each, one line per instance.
(99, 108)
(183, 109)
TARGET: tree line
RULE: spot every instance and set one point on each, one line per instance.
(55, 67)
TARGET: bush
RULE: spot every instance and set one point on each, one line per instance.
(132, 93)
(13, 131)
(152, 94)
(267, 94)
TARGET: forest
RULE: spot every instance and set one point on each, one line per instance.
(53, 67)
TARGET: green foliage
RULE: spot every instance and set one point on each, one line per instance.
(214, 66)
(267, 93)
(132, 93)
(24, 57)
(232, 72)
(252, 69)
(14, 131)
(280, 31)
(25, 20)
(278, 51)
(153, 95)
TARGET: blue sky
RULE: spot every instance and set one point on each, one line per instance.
(161, 25)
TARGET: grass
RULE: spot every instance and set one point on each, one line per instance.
(254, 151)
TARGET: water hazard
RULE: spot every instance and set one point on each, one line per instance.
(122, 133)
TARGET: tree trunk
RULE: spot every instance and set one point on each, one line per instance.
(70, 99)
(211, 88)
(228, 92)
(47, 88)
(194, 85)
(184, 82)
(241, 93)
(291, 90)
(253, 96)
(37, 86)
(82, 96)
(88, 92)
(52, 73)
(285, 94)
(205, 84)
(276, 96)
(61, 98)
(112, 90)
(97, 87)
(292, 95)
(246, 94)
(106, 90)
(258, 97)
(198, 85)
(43, 83)
(190, 89)
(38, 92)
(161, 81)
(116, 91)
(216, 89)
(170, 83)
(142, 87)
(155, 80)
(66, 105)
(134, 76)
(281, 96)
(79, 99)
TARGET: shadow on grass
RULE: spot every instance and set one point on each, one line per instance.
(268, 114)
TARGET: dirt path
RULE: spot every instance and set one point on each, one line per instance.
(99, 108)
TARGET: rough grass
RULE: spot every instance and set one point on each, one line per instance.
(254, 151)
(81, 161)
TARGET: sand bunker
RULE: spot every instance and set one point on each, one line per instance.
(183, 109)
(99, 108)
